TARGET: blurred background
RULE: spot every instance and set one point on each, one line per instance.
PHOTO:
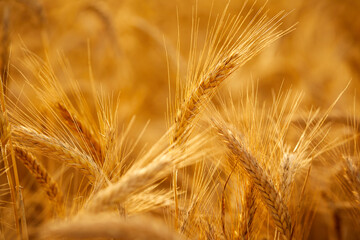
(127, 42)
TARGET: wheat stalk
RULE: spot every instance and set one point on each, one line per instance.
(223, 207)
(4, 137)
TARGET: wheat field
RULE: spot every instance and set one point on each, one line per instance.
(182, 119)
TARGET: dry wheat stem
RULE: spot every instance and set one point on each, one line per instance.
(41, 175)
(11, 186)
(21, 207)
(6, 140)
(223, 206)
(57, 149)
(109, 227)
(263, 184)
(176, 201)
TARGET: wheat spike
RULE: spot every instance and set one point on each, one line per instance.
(86, 134)
(256, 36)
(249, 211)
(352, 177)
(52, 147)
(134, 181)
(39, 172)
(263, 183)
(289, 167)
(147, 171)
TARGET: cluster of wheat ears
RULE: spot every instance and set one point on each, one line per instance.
(225, 168)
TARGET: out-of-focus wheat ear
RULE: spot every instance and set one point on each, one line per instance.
(248, 212)
(85, 133)
(41, 175)
(288, 171)
(56, 149)
(157, 36)
(37, 7)
(352, 176)
(104, 16)
(108, 227)
(250, 166)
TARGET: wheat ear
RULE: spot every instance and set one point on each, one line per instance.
(269, 195)
(41, 175)
(223, 207)
(134, 181)
(85, 133)
(352, 177)
(56, 149)
(104, 16)
(249, 211)
(256, 36)
(152, 167)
